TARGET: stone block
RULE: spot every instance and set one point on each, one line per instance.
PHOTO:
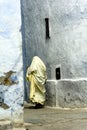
(5, 125)
(51, 92)
(67, 93)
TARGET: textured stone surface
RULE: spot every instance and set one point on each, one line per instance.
(5, 125)
(11, 60)
(51, 93)
(67, 45)
(68, 93)
(55, 119)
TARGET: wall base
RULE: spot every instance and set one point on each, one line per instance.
(67, 93)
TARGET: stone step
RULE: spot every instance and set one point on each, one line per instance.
(5, 125)
(67, 93)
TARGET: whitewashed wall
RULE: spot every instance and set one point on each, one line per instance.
(66, 48)
(11, 57)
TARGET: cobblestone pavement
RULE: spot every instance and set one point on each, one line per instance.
(55, 119)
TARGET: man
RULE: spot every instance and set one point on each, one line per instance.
(36, 74)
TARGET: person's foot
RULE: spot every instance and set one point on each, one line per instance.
(38, 105)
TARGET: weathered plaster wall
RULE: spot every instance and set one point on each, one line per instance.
(11, 59)
(67, 93)
(67, 46)
(68, 28)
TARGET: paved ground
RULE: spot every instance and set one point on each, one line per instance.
(7, 125)
(55, 119)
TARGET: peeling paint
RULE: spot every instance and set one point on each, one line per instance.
(9, 78)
